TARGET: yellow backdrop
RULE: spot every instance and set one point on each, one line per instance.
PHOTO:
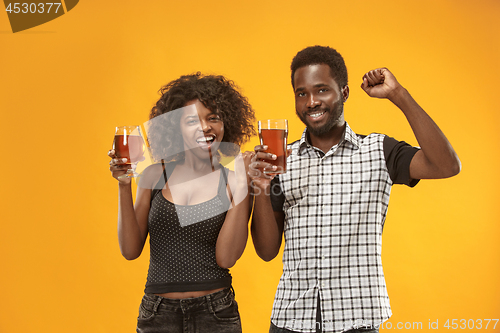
(66, 84)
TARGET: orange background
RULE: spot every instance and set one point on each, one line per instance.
(66, 84)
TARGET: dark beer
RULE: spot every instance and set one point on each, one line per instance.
(275, 139)
(130, 147)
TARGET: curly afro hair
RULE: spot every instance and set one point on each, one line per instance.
(314, 55)
(216, 93)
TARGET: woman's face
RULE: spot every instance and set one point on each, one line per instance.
(202, 130)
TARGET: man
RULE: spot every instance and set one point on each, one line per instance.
(331, 203)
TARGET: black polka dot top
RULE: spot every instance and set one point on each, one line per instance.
(182, 242)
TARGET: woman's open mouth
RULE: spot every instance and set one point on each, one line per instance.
(206, 141)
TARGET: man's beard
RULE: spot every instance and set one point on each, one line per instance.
(331, 121)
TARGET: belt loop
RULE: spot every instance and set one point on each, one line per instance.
(209, 304)
(157, 304)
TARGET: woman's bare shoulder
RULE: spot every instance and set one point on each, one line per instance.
(150, 176)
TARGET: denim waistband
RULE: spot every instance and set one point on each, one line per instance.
(190, 304)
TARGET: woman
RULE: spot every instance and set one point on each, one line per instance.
(195, 210)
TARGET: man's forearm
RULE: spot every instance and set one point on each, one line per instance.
(439, 159)
(266, 231)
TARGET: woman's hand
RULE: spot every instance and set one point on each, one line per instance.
(247, 160)
(240, 183)
(119, 168)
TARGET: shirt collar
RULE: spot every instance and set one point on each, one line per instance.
(348, 137)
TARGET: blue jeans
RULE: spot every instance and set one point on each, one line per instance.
(217, 312)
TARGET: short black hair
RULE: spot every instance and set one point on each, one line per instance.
(216, 93)
(314, 55)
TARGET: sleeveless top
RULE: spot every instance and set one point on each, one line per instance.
(182, 241)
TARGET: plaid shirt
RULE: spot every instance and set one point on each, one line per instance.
(335, 206)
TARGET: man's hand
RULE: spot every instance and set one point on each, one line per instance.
(380, 83)
(436, 158)
(257, 166)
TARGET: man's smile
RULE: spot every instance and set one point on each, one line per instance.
(316, 115)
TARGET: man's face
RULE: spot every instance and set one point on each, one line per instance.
(319, 103)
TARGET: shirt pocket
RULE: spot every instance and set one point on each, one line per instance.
(295, 196)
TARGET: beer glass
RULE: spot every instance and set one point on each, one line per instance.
(273, 133)
(129, 144)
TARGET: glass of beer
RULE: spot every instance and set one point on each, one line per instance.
(129, 144)
(273, 133)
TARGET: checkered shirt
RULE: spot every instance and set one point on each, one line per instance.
(335, 205)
